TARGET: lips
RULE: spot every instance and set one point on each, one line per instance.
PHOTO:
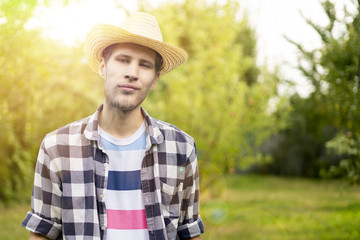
(127, 87)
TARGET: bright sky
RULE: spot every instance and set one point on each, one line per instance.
(272, 19)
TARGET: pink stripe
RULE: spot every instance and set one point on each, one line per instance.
(126, 219)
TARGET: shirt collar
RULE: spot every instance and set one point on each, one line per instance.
(91, 130)
(152, 129)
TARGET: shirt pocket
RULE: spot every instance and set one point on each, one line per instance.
(171, 197)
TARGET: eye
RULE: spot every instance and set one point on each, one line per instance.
(147, 65)
(122, 60)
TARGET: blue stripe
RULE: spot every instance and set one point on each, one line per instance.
(139, 144)
(129, 180)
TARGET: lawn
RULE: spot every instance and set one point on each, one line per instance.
(273, 208)
(258, 207)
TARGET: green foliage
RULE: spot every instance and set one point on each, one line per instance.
(348, 147)
(333, 68)
(333, 105)
(41, 90)
(218, 96)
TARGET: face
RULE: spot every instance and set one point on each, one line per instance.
(129, 74)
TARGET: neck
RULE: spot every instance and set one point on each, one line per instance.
(118, 123)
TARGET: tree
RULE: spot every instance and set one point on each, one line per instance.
(332, 108)
(42, 88)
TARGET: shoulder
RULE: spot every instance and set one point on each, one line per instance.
(77, 127)
(173, 133)
(176, 147)
(70, 134)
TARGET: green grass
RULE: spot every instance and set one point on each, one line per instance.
(10, 219)
(258, 207)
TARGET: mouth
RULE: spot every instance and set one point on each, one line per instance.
(128, 88)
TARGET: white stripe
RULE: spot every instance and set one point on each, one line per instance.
(125, 160)
(124, 200)
(113, 234)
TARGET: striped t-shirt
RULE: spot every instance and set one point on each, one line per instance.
(124, 204)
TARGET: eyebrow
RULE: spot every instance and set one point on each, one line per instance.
(122, 55)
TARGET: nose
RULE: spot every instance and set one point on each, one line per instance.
(132, 72)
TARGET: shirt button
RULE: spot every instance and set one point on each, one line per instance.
(103, 228)
(147, 199)
(102, 196)
(106, 165)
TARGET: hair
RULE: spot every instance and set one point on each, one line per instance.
(110, 49)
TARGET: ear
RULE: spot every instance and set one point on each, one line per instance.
(154, 83)
(102, 69)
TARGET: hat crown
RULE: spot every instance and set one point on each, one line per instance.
(143, 24)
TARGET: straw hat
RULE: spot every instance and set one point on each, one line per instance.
(140, 28)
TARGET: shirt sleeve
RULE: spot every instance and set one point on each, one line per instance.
(45, 216)
(190, 223)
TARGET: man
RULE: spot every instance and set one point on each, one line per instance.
(119, 174)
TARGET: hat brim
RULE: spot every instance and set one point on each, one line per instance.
(104, 35)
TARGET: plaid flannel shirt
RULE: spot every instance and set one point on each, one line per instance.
(68, 199)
